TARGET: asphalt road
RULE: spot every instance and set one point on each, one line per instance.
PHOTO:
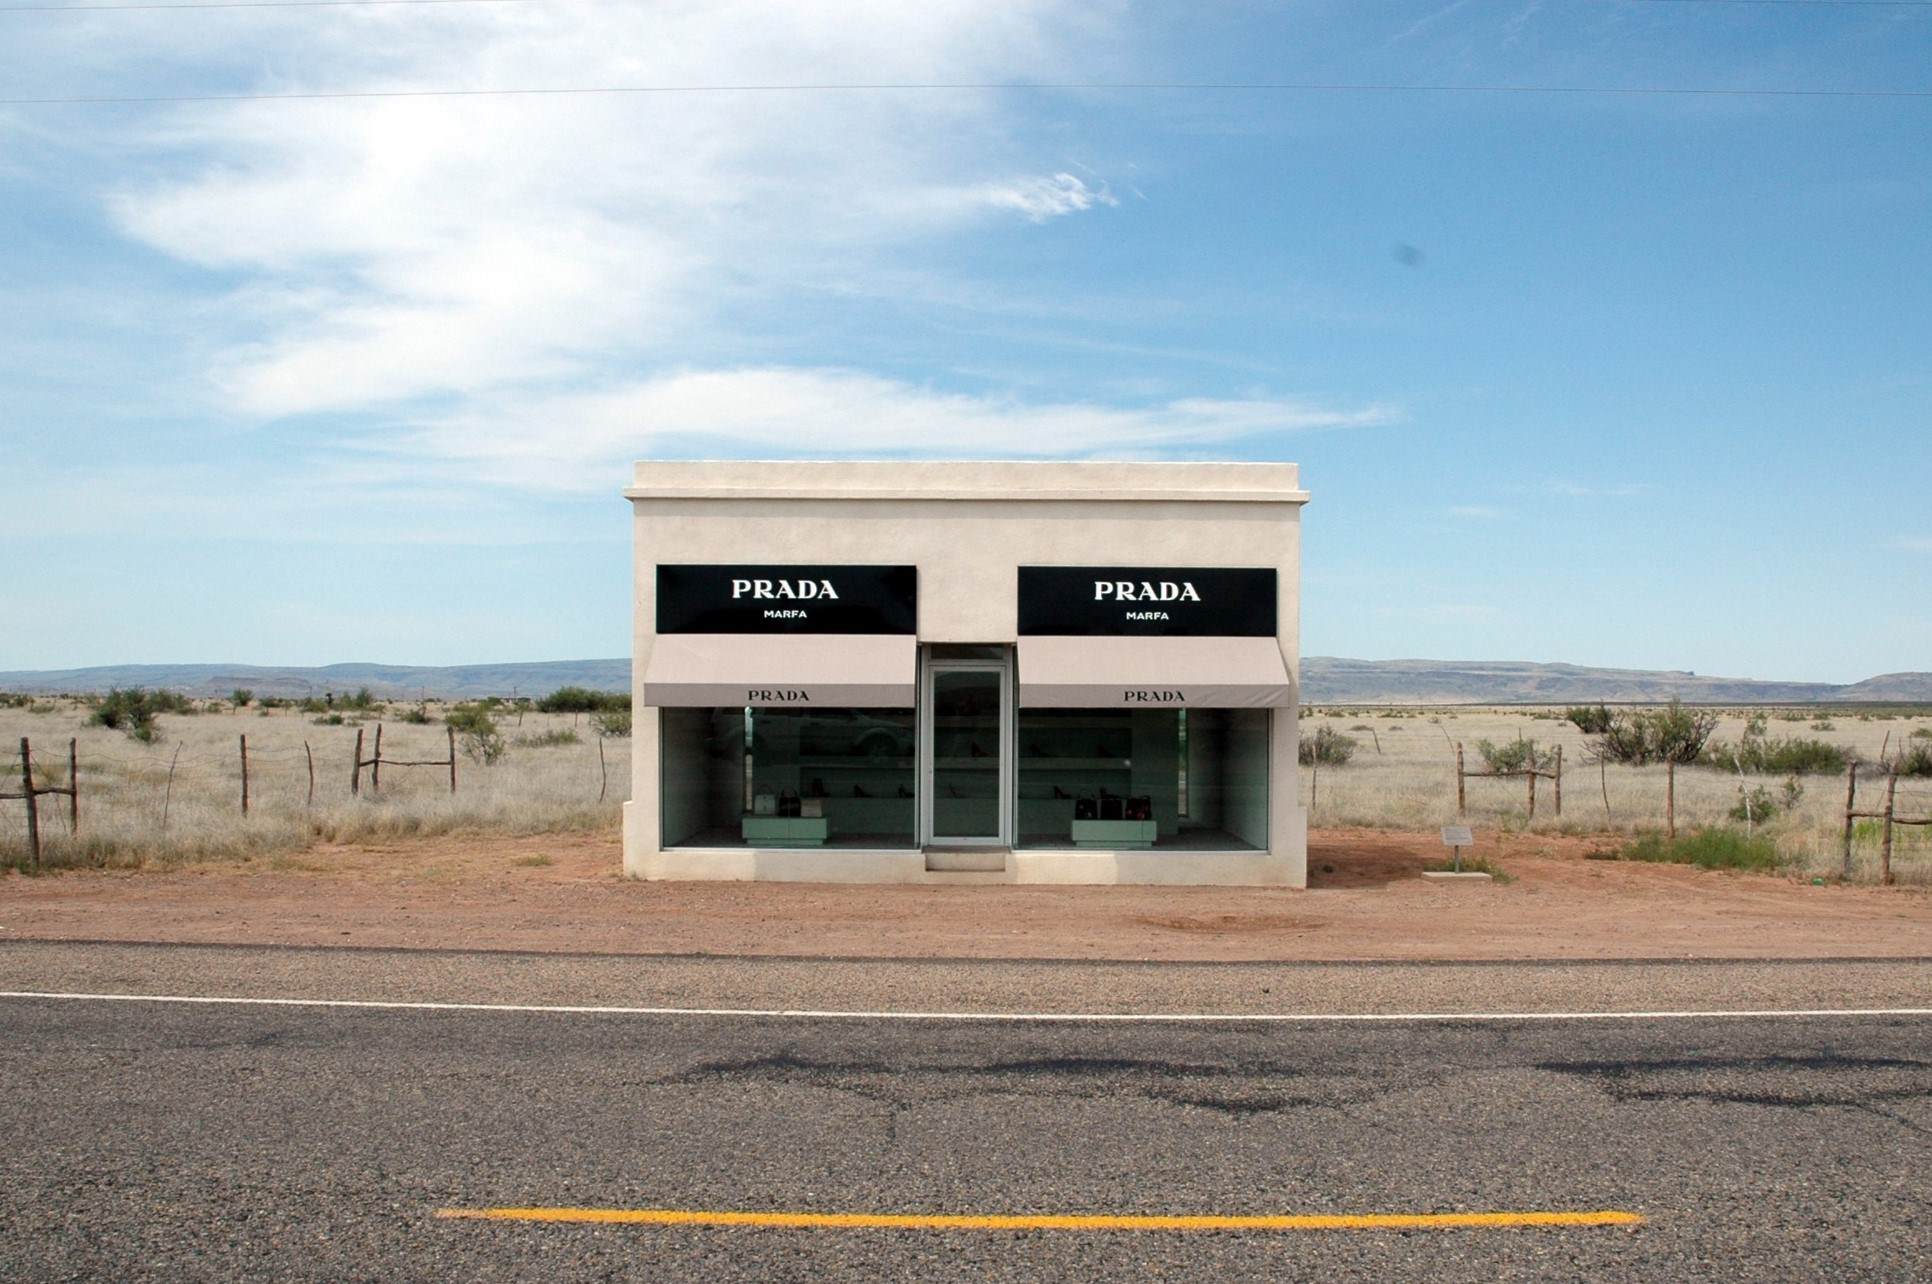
(147, 1141)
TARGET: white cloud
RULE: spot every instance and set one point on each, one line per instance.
(575, 442)
(392, 249)
(1040, 199)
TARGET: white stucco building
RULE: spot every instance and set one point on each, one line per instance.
(973, 672)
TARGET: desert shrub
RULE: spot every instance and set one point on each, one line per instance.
(133, 711)
(328, 720)
(582, 700)
(1591, 720)
(1824, 724)
(418, 716)
(1327, 746)
(315, 704)
(1923, 733)
(15, 700)
(1759, 804)
(1670, 734)
(273, 702)
(1515, 755)
(612, 722)
(1755, 725)
(476, 733)
(1707, 849)
(241, 697)
(1775, 755)
(1915, 761)
(548, 739)
(364, 699)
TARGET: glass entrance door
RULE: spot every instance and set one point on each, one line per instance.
(964, 752)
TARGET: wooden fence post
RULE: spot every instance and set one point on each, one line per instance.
(1670, 797)
(1314, 782)
(1885, 842)
(1603, 779)
(310, 755)
(73, 785)
(452, 758)
(1531, 773)
(375, 768)
(167, 798)
(1851, 802)
(33, 810)
(244, 758)
(603, 772)
(1558, 779)
(355, 779)
(1462, 799)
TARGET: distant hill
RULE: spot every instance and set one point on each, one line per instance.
(1325, 680)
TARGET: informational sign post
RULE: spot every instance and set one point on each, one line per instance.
(1457, 837)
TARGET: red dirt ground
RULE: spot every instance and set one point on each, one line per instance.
(563, 892)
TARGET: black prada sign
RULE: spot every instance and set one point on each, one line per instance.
(1155, 601)
(787, 599)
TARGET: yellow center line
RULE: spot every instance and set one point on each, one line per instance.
(1050, 1221)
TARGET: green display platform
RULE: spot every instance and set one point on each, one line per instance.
(786, 831)
(1117, 834)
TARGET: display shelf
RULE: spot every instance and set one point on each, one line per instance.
(1126, 835)
(785, 831)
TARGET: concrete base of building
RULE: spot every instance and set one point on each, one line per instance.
(1452, 876)
(912, 865)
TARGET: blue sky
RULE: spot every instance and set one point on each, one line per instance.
(1625, 379)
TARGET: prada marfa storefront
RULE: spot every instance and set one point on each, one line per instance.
(1005, 672)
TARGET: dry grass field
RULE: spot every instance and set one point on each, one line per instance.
(1401, 776)
(130, 816)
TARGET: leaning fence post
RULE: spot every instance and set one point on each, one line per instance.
(1885, 843)
(244, 758)
(73, 786)
(452, 758)
(603, 772)
(355, 778)
(1530, 771)
(375, 767)
(1558, 779)
(310, 755)
(1851, 803)
(1670, 797)
(1462, 806)
(33, 811)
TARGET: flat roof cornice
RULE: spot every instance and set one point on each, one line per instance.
(1005, 480)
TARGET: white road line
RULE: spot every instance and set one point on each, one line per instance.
(1229, 1018)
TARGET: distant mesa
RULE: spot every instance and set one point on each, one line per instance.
(1325, 680)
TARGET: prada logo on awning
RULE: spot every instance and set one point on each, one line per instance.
(775, 590)
(1148, 695)
(776, 695)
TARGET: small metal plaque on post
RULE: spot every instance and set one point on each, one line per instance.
(1456, 837)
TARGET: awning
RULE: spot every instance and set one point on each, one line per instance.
(1153, 673)
(732, 670)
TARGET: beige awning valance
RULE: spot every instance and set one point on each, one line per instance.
(733, 670)
(1153, 673)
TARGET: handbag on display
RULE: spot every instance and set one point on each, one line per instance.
(1085, 809)
(1112, 807)
(1140, 808)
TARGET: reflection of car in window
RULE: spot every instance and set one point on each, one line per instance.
(857, 733)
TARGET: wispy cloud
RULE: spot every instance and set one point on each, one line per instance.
(390, 250)
(578, 441)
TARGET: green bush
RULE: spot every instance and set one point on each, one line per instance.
(1759, 804)
(582, 700)
(476, 733)
(1591, 720)
(1923, 733)
(1707, 849)
(363, 699)
(1327, 746)
(133, 711)
(1915, 761)
(612, 722)
(419, 716)
(14, 700)
(1775, 755)
(1671, 734)
(240, 697)
(1516, 755)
